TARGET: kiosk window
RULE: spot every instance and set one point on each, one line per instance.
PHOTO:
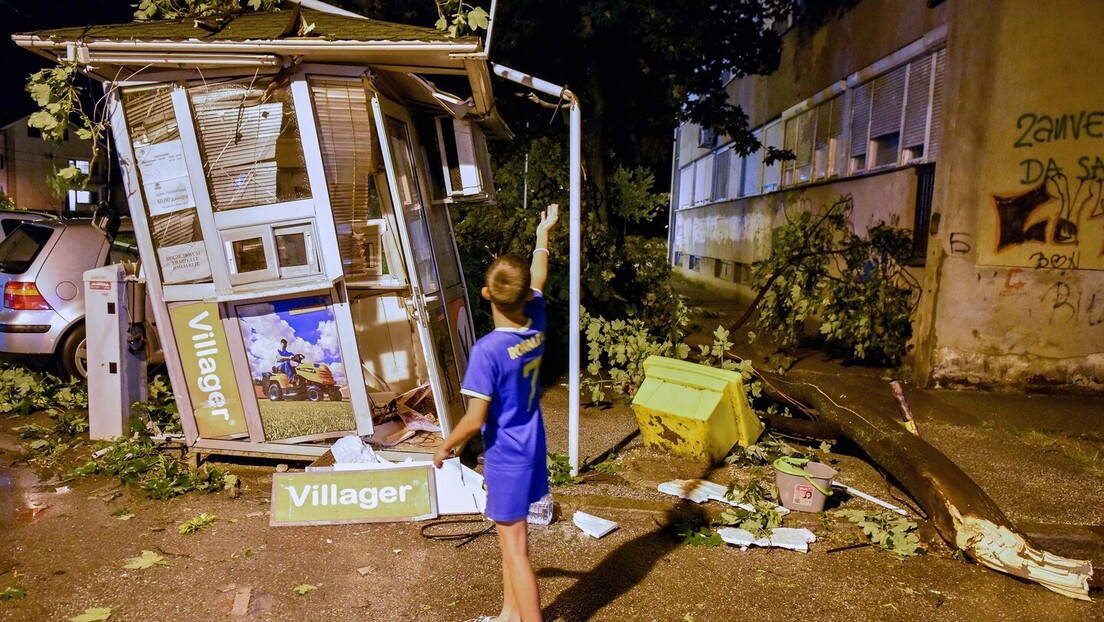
(270, 252)
(249, 255)
(249, 138)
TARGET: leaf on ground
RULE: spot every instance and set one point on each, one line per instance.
(13, 592)
(304, 589)
(123, 514)
(202, 521)
(93, 614)
(147, 559)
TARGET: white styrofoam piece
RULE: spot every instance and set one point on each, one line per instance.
(780, 537)
(593, 526)
(700, 491)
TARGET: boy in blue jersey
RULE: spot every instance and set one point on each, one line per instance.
(503, 388)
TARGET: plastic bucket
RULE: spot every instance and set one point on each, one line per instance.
(804, 488)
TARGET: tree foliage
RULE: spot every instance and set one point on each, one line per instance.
(858, 285)
(147, 10)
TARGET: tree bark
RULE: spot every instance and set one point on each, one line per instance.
(963, 514)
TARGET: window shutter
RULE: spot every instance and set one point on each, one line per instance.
(772, 173)
(753, 168)
(345, 134)
(889, 96)
(703, 180)
(937, 105)
(805, 127)
(686, 187)
(916, 106)
(720, 177)
(860, 119)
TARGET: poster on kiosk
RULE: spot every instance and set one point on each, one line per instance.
(291, 203)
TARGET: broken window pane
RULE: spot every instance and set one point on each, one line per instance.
(250, 143)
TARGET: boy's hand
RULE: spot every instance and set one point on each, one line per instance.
(548, 218)
(440, 454)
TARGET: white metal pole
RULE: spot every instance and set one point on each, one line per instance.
(574, 243)
(574, 272)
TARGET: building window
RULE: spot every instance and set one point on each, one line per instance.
(686, 187)
(829, 130)
(707, 138)
(678, 258)
(703, 180)
(84, 166)
(721, 175)
(695, 262)
(753, 168)
(772, 174)
(78, 199)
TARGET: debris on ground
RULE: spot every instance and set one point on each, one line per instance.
(780, 537)
(593, 526)
(700, 491)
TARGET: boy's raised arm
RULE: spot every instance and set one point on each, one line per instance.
(538, 270)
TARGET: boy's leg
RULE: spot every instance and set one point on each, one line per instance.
(518, 578)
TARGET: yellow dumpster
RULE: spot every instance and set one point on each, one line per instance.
(693, 410)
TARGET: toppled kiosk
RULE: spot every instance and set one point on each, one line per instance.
(289, 175)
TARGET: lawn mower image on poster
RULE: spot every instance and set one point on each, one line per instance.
(310, 381)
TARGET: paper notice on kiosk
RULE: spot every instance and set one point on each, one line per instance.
(181, 263)
(165, 177)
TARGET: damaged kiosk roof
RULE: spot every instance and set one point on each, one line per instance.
(272, 39)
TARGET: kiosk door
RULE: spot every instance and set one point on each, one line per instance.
(407, 191)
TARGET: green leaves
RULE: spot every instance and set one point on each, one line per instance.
(304, 589)
(13, 592)
(890, 532)
(93, 614)
(198, 523)
(148, 559)
(857, 284)
(695, 533)
(457, 18)
(559, 470)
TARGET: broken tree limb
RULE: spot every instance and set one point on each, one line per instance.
(962, 512)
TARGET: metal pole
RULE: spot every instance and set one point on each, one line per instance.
(574, 242)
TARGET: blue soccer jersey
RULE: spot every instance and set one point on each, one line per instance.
(503, 368)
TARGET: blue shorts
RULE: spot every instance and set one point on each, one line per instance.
(510, 490)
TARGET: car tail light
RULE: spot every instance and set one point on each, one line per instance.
(24, 297)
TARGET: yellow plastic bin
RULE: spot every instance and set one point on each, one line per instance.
(693, 410)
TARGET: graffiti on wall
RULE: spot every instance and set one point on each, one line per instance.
(1054, 217)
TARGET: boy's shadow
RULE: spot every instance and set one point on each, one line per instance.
(622, 569)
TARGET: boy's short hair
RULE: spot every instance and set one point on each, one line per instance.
(508, 283)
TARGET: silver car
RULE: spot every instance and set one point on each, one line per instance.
(10, 219)
(42, 265)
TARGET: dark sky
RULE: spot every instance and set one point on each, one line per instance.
(31, 15)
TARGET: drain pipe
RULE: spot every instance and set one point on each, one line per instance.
(574, 242)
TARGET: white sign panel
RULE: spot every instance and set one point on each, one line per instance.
(184, 262)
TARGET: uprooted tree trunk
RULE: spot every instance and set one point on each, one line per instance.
(963, 513)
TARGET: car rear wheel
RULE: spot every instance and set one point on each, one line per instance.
(73, 354)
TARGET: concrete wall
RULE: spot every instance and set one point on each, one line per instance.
(740, 231)
(811, 62)
(1014, 295)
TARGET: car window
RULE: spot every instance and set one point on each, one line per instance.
(123, 248)
(20, 248)
(9, 225)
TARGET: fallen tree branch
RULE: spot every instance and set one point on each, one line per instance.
(963, 514)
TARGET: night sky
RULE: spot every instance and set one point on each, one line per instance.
(31, 15)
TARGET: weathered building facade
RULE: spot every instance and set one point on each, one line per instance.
(978, 125)
(27, 162)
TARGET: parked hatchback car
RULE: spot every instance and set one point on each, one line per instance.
(42, 265)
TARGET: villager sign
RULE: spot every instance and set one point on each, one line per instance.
(362, 496)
